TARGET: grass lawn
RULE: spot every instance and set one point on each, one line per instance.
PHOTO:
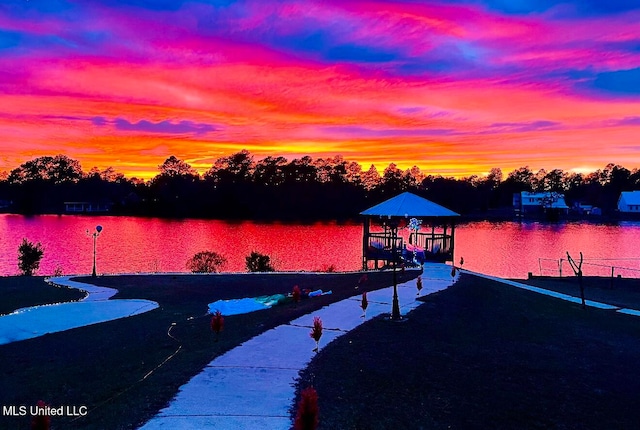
(23, 291)
(483, 355)
(622, 292)
(103, 366)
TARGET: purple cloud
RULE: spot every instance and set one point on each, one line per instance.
(164, 127)
(390, 132)
(525, 126)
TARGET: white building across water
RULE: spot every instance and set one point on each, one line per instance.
(629, 202)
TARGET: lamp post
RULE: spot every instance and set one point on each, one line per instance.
(395, 309)
(95, 235)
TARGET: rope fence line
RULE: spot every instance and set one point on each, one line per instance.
(558, 269)
(126, 389)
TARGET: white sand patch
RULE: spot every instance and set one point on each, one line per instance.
(237, 306)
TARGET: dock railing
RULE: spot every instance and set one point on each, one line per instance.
(437, 243)
(384, 241)
(591, 267)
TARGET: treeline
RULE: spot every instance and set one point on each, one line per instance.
(240, 187)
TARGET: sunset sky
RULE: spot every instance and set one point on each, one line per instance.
(455, 87)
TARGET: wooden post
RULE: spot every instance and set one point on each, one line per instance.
(453, 229)
(395, 308)
(577, 269)
(611, 282)
(365, 243)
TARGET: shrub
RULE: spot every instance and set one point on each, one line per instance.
(257, 262)
(41, 422)
(217, 323)
(316, 332)
(29, 256)
(364, 304)
(328, 268)
(206, 262)
(58, 271)
(307, 415)
(296, 294)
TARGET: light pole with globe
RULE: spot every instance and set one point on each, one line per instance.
(95, 235)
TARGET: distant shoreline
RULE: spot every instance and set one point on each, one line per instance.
(496, 215)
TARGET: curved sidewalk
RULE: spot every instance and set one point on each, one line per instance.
(27, 323)
(253, 385)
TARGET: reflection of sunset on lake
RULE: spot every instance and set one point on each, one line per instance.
(453, 88)
(129, 244)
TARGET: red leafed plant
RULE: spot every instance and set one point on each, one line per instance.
(453, 271)
(363, 279)
(217, 323)
(307, 416)
(296, 293)
(316, 331)
(364, 304)
(419, 284)
(41, 422)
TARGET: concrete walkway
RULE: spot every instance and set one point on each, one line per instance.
(27, 323)
(253, 385)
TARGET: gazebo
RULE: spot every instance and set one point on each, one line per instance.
(428, 231)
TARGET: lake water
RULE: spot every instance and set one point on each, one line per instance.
(130, 244)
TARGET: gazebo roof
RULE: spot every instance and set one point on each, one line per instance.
(408, 204)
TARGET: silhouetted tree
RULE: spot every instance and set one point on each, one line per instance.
(301, 170)
(175, 189)
(206, 262)
(554, 181)
(238, 187)
(270, 171)
(29, 256)
(494, 177)
(393, 180)
(371, 178)
(257, 262)
(523, 178)
(56, 169)
(174, 167)
(413, 177)
(236, 168)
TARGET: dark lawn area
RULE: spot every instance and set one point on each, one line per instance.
(483, 355)
(23, 291)
(102, 366)
(622, 292)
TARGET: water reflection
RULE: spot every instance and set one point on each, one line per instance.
(129, 244)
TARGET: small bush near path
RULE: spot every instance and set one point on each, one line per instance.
(29, 256)
(257, 262)
(206, 262)
(307, 417)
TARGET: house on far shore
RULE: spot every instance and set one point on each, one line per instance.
(5, 204)
(531, 203)
(86, 207)
(580, 208)
(629, 202)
